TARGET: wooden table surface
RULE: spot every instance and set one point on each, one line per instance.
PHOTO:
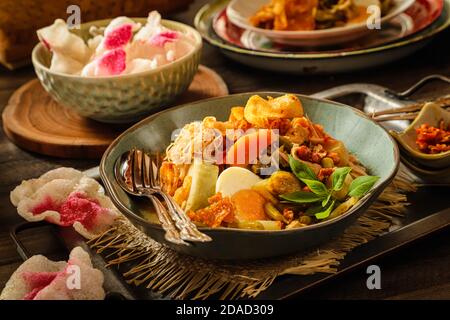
(419, 271)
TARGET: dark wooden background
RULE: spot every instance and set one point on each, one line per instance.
(419, 271)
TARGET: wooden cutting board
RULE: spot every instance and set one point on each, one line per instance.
(34, 121)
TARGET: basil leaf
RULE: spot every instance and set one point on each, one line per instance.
(316, 187)
(325, 202)
(338, 177)
(326, 213)
(301, 169)
(301, 197)
(361, 185)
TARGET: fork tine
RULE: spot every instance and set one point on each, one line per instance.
(142, 180)
(156, 175)
(146, 170)
(150, 174)
(156, 164)
(137, 168)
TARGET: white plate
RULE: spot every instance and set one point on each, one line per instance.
(240, 11)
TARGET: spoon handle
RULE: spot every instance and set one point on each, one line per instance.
(172, 234)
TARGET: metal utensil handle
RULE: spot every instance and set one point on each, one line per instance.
(390, 97)
(376, 92)
(415, 87)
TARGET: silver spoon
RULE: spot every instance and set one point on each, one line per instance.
(125, 176)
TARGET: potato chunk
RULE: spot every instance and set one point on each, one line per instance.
(259, 111)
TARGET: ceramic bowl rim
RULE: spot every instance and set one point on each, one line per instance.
(361, 202)
(197, 48)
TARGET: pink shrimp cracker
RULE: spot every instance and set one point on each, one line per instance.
(69, 199)
(65, 64)
(39, 278)
(153, 26)
(118, 37)
(113, 62)
(119, 21)
(117, 34)
(94, 215)
(28, 187)
(57, 38)
(140, 65)
(160, 39)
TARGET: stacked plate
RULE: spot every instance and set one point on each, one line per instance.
(408, 26)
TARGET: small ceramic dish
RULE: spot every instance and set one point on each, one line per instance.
(430, 114)
(240, 11)
(121, 98)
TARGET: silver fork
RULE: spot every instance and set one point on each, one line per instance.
(127, 174)
(140, 181)
(188, 230)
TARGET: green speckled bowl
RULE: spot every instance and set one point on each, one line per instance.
(122, 98)
(365, 138)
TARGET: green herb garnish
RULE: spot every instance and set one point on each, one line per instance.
(301, 197)
(338, 177)
(325, 213)
(301, 170)
(361, 185)
(320, 193)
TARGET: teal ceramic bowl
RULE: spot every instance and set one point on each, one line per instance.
(366, 139)
(121, 98)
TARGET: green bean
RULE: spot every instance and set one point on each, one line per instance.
(295, 224)
(343, 207)
(273, 212)
(305, 220)
(270, 225)
(253, 225)
(258, 225)
(262, 190)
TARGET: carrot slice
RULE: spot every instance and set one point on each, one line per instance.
(247, 149)
(249, 205)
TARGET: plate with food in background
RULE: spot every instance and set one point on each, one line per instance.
(325, 62)
(416, 18)
(314, 22)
